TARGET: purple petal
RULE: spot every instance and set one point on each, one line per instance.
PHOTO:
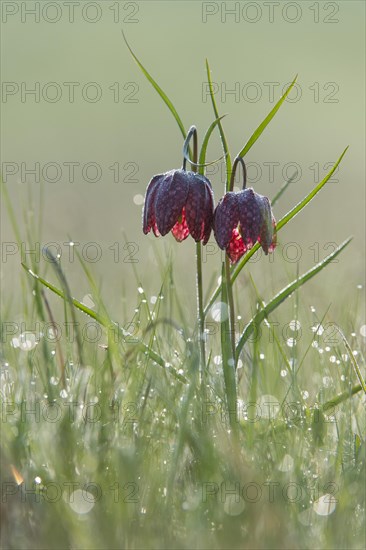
(226, 218)
(199, 206)
(148, 217)
(250, 216)
(170, 200)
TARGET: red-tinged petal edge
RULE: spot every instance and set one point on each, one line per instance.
(236, 248)
(180, 229)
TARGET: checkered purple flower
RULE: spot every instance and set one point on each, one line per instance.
(240, 220)
(181, 202)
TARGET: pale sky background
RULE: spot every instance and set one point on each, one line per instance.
(253, 51)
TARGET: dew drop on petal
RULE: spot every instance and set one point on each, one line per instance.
(283, 373)
(140, 290)
(153, 300)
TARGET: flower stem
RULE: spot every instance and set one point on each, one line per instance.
(200, 314)
(230, 303)
(228, 358)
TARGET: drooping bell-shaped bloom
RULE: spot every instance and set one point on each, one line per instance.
(240, 220)
(181, 202)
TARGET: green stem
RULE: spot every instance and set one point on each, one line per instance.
(230, 303)
(200, 315)
(228, 361)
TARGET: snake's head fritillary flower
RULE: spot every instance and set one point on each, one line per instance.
(181, 202)
(240, 220)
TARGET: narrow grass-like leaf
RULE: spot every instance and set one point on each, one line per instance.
(329, 405)
(104, 321)
(283, 294)
(296, 209)
(202, 157)
(161, 93)
(283, 221)
(225, 146)
(253, 138)
(284, 188)
(353, 360)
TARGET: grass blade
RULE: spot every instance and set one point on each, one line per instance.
(253, 138)
(104, 321)
(296, 209)
(224, 143)
(283, 294)
(161, 93)
(353, 361)
(202, 156)
(284, 188)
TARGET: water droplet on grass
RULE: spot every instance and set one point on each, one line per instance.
(325, 505)
(291, 342)
(295, 325)
(286, 464)
(88, 301)
(81, 502)
(234, 505)
(219, 312)
(27, 341)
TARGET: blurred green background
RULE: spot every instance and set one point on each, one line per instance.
(249, 48)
